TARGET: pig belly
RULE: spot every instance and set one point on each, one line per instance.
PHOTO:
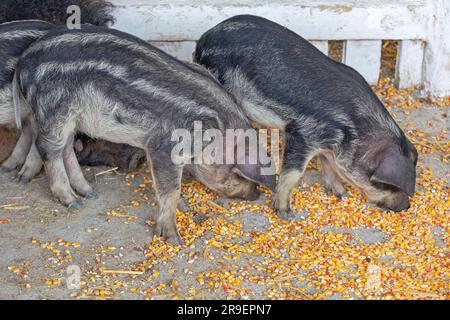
(100, 123)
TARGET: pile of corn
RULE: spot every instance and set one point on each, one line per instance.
(317, 255)
(300, 260)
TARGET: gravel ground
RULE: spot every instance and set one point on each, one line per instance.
(231, 250)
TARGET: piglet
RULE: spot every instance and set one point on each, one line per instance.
(324, 107)
(113, 86)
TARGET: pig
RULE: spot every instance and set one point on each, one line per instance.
(91, 152)
(15, 37)
(325, 109)
(113, 86)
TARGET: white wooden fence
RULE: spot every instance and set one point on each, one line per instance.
(422, 28)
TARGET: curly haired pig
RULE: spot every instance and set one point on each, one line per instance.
(325, 108)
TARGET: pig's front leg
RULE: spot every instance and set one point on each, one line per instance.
(77, 180)
(167, 181)
(281, 200)
(51, 147)
(294, 166)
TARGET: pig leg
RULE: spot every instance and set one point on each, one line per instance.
(51, 147)
(167, 180)
(76, 177)
(294, 166)
(331, 178)
(33, 163)
(19, 154)
(287, 182)
(135, 160)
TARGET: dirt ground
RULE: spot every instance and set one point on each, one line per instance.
(332, 249)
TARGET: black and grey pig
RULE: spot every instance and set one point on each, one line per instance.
(325, 108)
(114, 86)
(92, 152)
(15, 37)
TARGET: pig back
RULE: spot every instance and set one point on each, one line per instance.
(15, 37)
(145, 82)
(289, 72)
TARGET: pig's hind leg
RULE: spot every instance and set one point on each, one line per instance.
(332, 181)
(51, 146)
(76, 177)
(167, 181)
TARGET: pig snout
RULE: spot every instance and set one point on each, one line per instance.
(253, 196)
(402, 205)
(396, 203)
(245, 190)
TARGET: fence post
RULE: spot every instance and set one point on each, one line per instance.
(183, 50)
(437, 51)
(409, 68)
(365, 57)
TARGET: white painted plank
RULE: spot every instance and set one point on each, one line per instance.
(437, 51)
(408, 71)
(321, 45)
(365, 57)
(187, 20)
(182, 50)
(161, 20)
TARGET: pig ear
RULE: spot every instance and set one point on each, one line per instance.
(252, 172)
(396, 170)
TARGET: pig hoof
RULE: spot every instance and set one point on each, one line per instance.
(254, 196)
(343, 195)
(347, 195)
(285, 215)
(183, 206)
(175, 241)
(92, 195)
(24, 180)
(170, 234)
(199, 218)
(74, 205)
(136, 159)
